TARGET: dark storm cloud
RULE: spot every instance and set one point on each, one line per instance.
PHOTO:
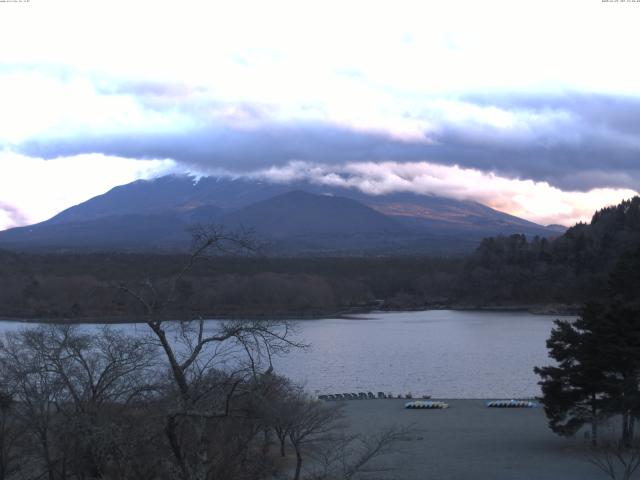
(572, 141)
(621, 113)
(591, 161)
(239, 149)
(596, 142)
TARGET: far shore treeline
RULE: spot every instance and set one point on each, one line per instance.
(504, 272)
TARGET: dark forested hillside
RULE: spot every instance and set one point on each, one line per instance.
(569, 269)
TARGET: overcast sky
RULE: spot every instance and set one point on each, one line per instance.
(531, 107)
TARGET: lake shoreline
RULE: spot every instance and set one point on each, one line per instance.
(537, 309)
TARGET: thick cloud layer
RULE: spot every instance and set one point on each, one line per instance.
(572, 141)
(536, 201)
(238, 149)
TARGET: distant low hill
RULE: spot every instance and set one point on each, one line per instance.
(294, 219)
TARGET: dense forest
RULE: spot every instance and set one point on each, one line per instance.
(504, 271)
(569, 269)
(84, 286)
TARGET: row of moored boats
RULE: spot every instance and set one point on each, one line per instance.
(424, 403)
(364, 396)
(492, 404)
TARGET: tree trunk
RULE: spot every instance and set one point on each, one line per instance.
(202, 456)
(625, 428)
(282, 437)
(266, 445)
(298, 463)
(594, 422)
(47, 458)
(3, 458)
(178, 374)
(172, 435)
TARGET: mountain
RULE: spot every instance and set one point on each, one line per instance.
(120, 232)
(303, 213)
(298, 218)
(183, 194)
(173, 193)
(308, 224)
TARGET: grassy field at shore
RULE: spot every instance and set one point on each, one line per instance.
(470, 441)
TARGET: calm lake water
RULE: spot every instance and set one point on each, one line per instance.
(443, 353)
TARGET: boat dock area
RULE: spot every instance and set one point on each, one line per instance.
(467, 437)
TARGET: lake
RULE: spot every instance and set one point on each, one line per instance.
(443, 353)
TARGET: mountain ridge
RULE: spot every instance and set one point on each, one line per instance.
(295, 218)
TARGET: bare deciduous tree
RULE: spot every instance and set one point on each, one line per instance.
(69, 387)
(618, 459)
(347, 456)
(10, 434)
(310, 422)
(191, 351)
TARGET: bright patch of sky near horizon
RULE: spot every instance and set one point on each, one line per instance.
(439, 78)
